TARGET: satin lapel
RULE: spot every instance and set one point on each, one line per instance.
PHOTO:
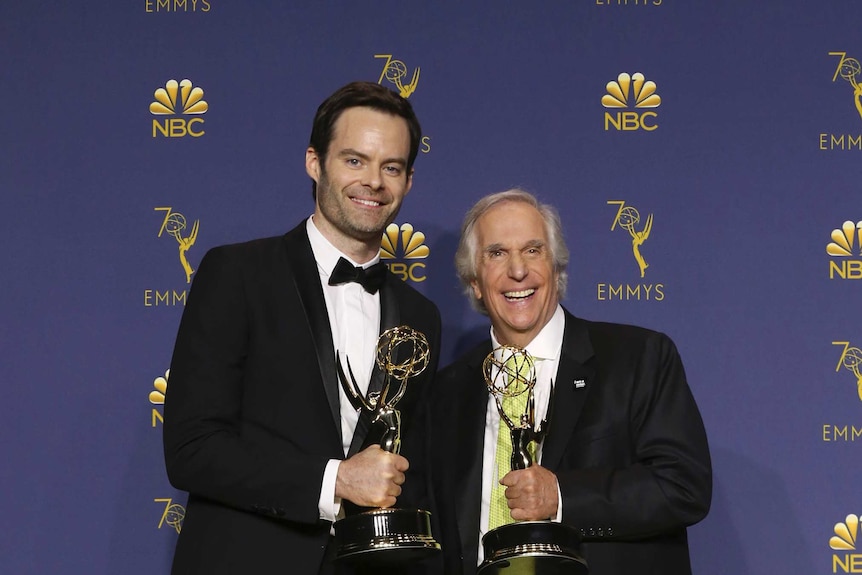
(307, 281)
(468, 440)
(389, 317)
(571, 386)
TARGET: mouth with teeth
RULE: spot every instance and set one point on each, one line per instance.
(364, 202)
(518, 295)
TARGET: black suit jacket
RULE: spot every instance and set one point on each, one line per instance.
(252, 409)
(626, 442)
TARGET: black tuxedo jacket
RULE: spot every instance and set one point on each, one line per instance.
(626, 442)
(252, 411)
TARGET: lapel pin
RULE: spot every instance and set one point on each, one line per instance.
(579, 383)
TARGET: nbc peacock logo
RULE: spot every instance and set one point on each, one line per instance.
(631, 91)
(413, 248)
(844, 543)
(846, 243)
(157, 396)
(174, 99)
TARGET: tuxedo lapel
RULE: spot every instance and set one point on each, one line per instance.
(307, 282)
(389, 317)
(571, 386)
(467, 436)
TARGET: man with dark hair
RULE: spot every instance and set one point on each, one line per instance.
(257, 428)
(625, 460)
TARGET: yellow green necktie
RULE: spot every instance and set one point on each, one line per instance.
(513, 407)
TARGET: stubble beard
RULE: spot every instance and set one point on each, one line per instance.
(339, 216)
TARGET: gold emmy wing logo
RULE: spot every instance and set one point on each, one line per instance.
(174, 224)
(849, 69)
(412, 248)
(628, 218)
(395, 71)
(851, 360)
(178, 98)
(173, 515)
(846, 242)
(631, 91)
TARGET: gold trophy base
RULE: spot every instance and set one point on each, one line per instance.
(385, 536)
(532, 548)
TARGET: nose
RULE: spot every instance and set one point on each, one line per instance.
(518, 269)
(373, 177)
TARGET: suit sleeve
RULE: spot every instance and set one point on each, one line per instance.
(645, 469)
(212, 448)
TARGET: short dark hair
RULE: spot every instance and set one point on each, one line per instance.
(361, 94)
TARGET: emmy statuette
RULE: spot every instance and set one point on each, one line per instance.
(381, 536)
(525, 547)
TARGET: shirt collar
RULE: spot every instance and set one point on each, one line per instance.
(325, 254)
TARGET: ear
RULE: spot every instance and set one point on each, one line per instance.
(409, 182)
(312, 164)
(477, 293)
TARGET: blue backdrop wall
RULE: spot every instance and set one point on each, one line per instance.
(723, 138)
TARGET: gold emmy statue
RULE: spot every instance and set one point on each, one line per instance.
(525, 547)
(387, 535)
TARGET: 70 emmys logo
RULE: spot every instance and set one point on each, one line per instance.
(413, 248)
(644, 96)
(178, 98)
(173, 514)
(851, 359)
(174, 224)
(849, 69)
(395, 71)
(628, 217)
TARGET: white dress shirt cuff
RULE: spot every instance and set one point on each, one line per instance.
(328, 504)
(558, 518)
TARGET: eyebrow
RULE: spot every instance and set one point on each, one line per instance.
(500, 247)
(351, 152)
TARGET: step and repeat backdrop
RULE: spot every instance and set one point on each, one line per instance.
(705, 156)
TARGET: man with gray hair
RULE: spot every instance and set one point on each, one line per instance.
(625, 460)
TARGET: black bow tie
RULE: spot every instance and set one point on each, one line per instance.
(371, 278)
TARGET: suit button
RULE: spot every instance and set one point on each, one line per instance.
(610, 531)
(592, 531)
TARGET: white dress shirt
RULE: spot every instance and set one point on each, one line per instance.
(545, 351)
(354, 318)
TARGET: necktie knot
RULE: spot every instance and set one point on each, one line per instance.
(370, 278)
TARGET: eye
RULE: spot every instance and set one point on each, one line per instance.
(353, 162)
(393, 170)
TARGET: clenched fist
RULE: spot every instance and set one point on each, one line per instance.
(531, 493)
(371, 478)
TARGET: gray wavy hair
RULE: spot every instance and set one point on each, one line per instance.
(466, 257)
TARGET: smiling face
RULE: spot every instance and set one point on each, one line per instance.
(362, 181)
(515, 276)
